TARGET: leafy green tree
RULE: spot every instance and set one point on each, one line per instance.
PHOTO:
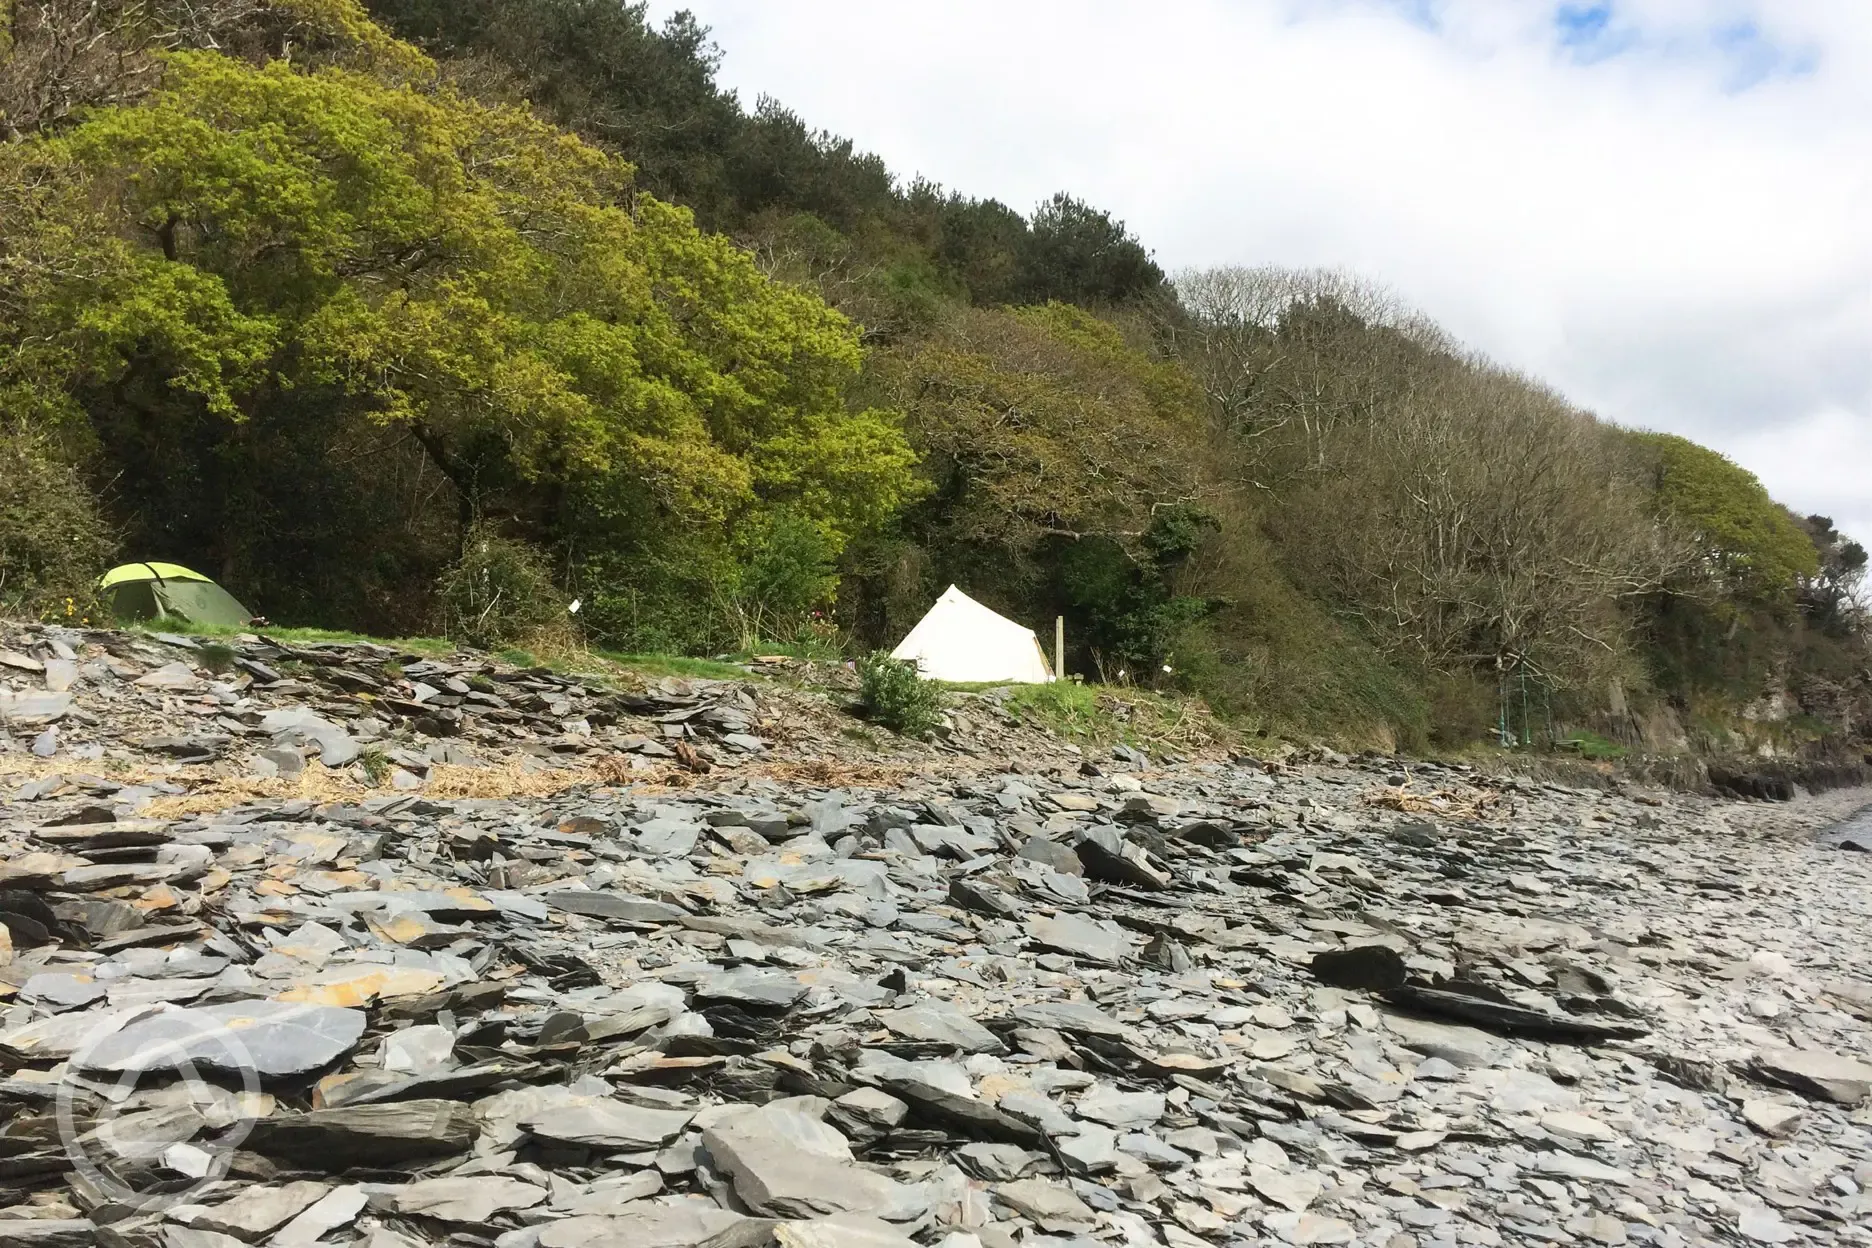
(1056, 455)
(1128, 608)
(1040, 423)
(1830, 597)
(602, 68)
(250, 243)
(1076, 253)
(54, 543)
(1751, 546)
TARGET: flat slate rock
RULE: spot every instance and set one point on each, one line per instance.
(271, 1039)
(259, 1210)
(965, 1114)
(843, 1231)
(608, 905)
(468, 1198)
(693, 1224)
(1513, 1020)
(366, 1135)
(48, 1233)
(1081, 937)
(786, 1165)
(1078, 1017)
(1371, 968)
(939, 1022)
(610, 1125)
(33, 708)
(751, 988)
(1820, 1076)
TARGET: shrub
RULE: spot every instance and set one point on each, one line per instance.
(891, 693)
(1064, 707)
(375, 765)
(785, 570)
(217, 657)
(53, 543)
(499, 592)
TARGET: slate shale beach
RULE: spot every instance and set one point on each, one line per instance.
(693, 979)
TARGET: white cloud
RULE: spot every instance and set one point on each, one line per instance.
(1667, 213)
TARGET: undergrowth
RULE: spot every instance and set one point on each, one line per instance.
(1102, 715)
(891, 693)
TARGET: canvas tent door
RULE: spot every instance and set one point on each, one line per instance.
(149, 591)
(962, 641)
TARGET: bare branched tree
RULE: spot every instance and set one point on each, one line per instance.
(58, 57)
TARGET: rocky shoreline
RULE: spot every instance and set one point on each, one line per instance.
(707, 1001)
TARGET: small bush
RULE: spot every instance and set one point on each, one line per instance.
(1065, 708)
(217, 657)
(891, 693)
(375, 765)
(786, 570)
(1593, 748)
(53, 543)
(499, 592)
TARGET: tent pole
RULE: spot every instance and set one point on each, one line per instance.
(1059, 647)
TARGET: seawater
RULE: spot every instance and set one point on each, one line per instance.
(1855, 827)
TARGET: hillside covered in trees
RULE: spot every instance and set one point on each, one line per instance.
(437, 314)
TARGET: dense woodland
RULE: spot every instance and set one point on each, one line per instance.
(437, 314)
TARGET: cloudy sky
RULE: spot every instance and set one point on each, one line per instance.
(1664, 207)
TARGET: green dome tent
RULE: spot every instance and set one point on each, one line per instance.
(149, 591)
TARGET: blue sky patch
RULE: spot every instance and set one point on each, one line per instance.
(1742, 53)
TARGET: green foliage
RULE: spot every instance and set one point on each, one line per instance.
(1830, 597)
(891, 693)
(375, 765)
(1065, 708)
(216, 656)
(300, 305)
(1080, 254)
(674, 665)
(1593, 747)
(647, 92)
(500, 591)
(1750, 543)
(257, 273)
(1039, 424)
(601, 68)
(53, 543)
(1126, 610)
(786, 572)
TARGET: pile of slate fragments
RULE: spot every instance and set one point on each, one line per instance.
(266, 708)
(1095, 1003)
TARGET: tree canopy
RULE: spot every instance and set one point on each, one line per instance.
(1750, 544)
(454, 318)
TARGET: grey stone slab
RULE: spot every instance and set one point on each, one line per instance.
(609, 1125)
(32, 708)
(1082, 937)
(1817, 1074)
(604, 904)
(270, 1039)
(468, 1198)
(784, 1164)
(259, 1210)
(692, 1224)
(393, 1134)
(939, 1022)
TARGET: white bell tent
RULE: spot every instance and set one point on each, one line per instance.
(960, 640)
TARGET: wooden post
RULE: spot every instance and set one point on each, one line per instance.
(1059, 647)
